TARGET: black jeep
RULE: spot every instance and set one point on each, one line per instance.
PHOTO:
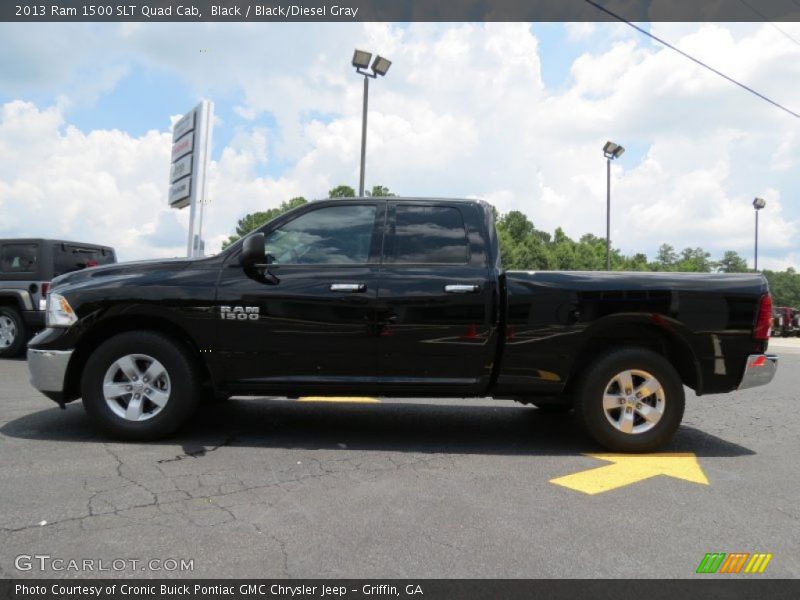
(26, 268)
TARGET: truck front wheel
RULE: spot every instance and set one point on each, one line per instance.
(140, 386)
(630, 400)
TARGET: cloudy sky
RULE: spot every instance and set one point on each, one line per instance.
(516, 114)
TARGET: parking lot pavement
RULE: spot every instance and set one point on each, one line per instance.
(277, 488)
(787, 344)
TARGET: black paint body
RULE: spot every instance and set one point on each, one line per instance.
(522, 335)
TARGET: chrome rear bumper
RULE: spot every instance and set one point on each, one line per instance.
(759, 370)
(48, 368)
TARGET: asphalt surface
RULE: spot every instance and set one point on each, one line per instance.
(437, 488)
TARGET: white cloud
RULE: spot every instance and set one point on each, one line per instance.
(463, 112)
(56, 181)
(580, 30)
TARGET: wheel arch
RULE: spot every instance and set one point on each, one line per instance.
(654, 333)
(19, 299)
(116, 325)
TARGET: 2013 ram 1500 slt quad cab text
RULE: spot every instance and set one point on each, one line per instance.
(397, 297)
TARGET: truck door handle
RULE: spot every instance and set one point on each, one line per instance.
(460, 288)
(351, 288)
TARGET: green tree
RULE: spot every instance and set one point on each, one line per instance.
(522, 245)
(732, 263)
(253, 221)
(784, 287)
(517, 225)
(695, 260)
(637, 262)
(593, 248)
(342, 191)
(380, 191)
(666, 258)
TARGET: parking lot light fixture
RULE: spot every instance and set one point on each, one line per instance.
(611, 151)
(758, 204)
(380, 66)
(361, 59)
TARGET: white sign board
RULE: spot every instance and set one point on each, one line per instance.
(191, 141)
(184, 125)
(183, 146)
(180, 193)
(180, 168)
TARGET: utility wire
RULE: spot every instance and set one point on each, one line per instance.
(770, 23)
(693, 59)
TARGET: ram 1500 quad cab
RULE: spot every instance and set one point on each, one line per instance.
(397, 297)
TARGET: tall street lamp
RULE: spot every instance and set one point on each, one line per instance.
(758, 204)
(379, 67)
(610, 151)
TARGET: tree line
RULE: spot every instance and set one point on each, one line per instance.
(525, 247)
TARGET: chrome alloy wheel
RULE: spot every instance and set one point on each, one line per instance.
(634, 401)
(136, 387)
(8, 332)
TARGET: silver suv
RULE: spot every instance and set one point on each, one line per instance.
(27, 266)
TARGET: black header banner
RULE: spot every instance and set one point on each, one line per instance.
(405, 589)
(398, 10)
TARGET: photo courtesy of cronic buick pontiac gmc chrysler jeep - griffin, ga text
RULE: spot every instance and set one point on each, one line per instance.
(396, 297)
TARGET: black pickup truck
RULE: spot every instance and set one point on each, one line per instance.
(397, 297)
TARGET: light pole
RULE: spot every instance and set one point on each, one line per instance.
(379, 67)
(610, 151)
(758, 204)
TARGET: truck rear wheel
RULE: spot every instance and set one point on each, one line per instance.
(12, 332)
(630, 400)
(140, 386)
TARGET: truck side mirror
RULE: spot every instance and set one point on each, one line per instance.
(253, 253)
(253, 259)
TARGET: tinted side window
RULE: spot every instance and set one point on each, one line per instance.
(329, 235)
(428, 234)
(19, 258)
(68, 258)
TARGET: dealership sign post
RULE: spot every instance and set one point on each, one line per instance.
(191, 144)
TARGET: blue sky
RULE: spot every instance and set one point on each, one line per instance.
(514, 113)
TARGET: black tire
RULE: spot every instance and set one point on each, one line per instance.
(182, 384)
(553, 408)
(15, 334)
(599, 376)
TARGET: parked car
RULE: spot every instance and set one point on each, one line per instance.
(785, 322)
(397, 297)
(27, 266)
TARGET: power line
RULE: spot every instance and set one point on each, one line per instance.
(693, 59)
(770, 23)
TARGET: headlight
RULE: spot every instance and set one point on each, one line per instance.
(59, 312)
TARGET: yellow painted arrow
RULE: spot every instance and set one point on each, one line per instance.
(631, 468)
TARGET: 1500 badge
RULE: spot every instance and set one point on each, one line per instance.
(239, 313)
